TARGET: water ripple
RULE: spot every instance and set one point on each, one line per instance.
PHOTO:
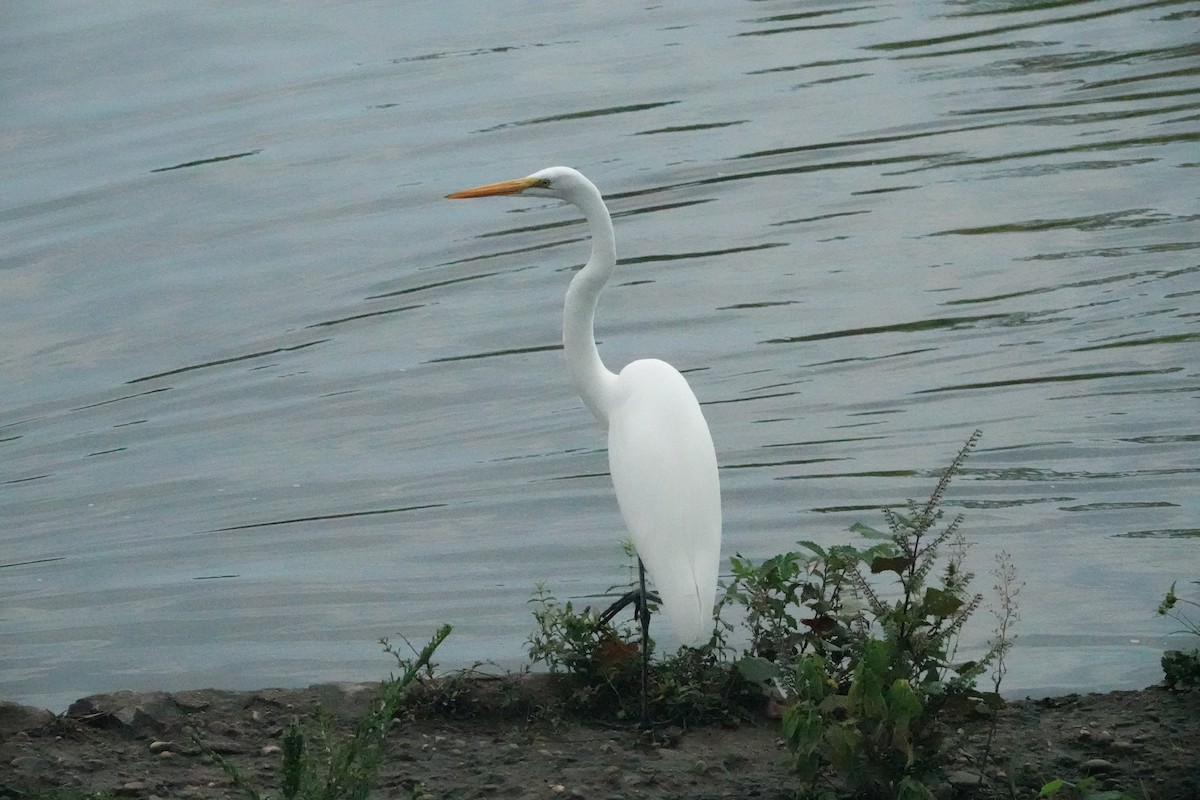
(1083, 376)
(230, 360)
(586, 114)
(323, 517)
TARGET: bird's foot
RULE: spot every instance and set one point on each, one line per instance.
(634, 597)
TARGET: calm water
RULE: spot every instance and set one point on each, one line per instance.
(268, 397)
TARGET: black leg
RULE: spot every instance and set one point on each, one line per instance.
(640, 599)
(644, 614)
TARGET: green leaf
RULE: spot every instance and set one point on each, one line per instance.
(912, 789)
(866, 688)
(812, 546)
(903, 706)
(940, 603)
(1052, 788)
(756, 669)
(833, 705)
(846, 748)
(867, 532)
(896, 564)
(811, 678)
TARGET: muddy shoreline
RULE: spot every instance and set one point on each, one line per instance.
(138, 745)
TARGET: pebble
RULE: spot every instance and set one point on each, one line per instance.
(270, 750)
(1098, 765)
(962, 778)
(26, 763)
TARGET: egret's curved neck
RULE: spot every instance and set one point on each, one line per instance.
(589, 376)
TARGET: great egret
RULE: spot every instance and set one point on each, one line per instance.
(660, 452)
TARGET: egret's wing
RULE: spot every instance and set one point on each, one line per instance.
(664, 469)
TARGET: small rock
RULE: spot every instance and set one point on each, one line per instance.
(28, 764)
(1098, 765)
(270, 750)
(158, 745)
(963, 779)
(165, 754)
(1066, 761)
(132, 788)
(227, 748)
(136, 715)
(190, 702)
(1123, 746)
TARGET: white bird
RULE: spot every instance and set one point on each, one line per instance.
(660, 451)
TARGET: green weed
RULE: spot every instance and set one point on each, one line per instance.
(1180, 667)
(873, 678)
(598, 670)
(317, 765)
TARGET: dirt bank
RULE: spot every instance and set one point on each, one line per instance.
(137, 745)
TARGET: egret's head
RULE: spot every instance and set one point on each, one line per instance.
(563, 183)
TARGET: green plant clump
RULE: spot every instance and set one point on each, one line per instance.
(599, 669)
(870, 678)
(1181, 668)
